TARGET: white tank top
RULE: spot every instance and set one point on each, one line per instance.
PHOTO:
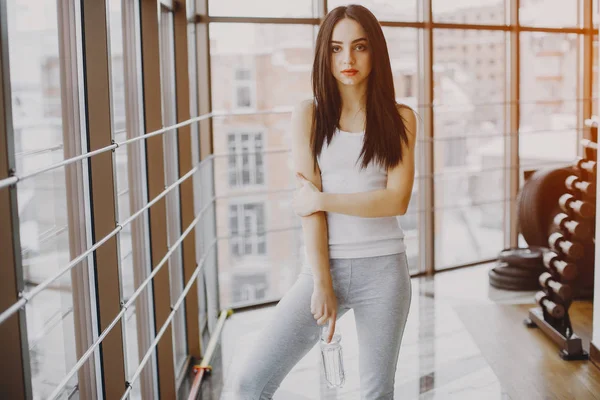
(351, 236)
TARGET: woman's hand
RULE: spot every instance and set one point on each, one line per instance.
(306, 198)
(323, 306)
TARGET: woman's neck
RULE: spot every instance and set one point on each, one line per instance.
(353, 97)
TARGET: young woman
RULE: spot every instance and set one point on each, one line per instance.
(353, 151)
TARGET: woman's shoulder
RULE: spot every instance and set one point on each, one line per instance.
(405, 111)
(409, 116)
(302, 118)
(304, 107)
(302, 114)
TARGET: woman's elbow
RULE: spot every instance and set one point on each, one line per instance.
(401, 208)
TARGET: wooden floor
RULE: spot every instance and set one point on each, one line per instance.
(463, 340)
(526, 361)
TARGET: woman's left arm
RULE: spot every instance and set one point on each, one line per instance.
(391, 201)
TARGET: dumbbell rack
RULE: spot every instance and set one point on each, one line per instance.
(571, 252)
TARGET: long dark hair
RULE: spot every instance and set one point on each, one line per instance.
(383, 123)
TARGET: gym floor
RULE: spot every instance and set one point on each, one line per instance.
(464, 340)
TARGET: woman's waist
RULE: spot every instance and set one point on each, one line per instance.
(351, 229)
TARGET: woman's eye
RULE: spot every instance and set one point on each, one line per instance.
(335, 49)
(361, 47)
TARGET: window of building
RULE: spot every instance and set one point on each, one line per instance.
(244, 88)
(245, 161)
(249, 287)
(247, 226)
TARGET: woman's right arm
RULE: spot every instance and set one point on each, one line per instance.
(314, 226)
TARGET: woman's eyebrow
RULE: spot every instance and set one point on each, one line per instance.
(354, 41)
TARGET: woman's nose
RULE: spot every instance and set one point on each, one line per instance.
(348, 57)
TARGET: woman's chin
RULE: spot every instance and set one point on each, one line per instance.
(349, 81)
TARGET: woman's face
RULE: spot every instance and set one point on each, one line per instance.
(350, 53)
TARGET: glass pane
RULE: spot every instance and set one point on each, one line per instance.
(35, 69)
(548, 126)
(280, 57)
(384, 10)
(548, 13)
(172, 174)
(469, 11)
(469, 146)
(403, 46)
(261, 8)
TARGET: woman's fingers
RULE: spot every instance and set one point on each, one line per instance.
(331, 330)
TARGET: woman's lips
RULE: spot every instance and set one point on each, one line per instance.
(349, 72)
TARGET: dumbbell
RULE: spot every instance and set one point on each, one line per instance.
(578, 229)
(573, 183)
(566, 270)
(570, 204)
(561, 245)
(585, 165)
(555, 310)
(561, 290)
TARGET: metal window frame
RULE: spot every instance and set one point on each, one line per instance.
(512, 109)
(138, 192)
(98, 106)
(15, 369)
(155, 164)
(169, 97)
(195, 153)
(427, 224)
(85, 306)
(210, 277)
(585, 81)
(186, 163)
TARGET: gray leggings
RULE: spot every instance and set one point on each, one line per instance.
(378, 289)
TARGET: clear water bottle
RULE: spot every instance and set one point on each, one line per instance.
(333, 363)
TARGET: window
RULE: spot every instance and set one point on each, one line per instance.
(244, 96)
(249, 287)
(244, 168)
(261, 8)
(480, 12)
(468, 145)
(548, 13)
(53, 322)
(390, 10)
(247, 226)
(408, 86)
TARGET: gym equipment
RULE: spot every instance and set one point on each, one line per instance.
(580, 230)
(563, 291)
(573, 183)
(537, 201)
(570, 262)
(528, 257)
(556, 266)
(555, 310)
(506, 269)
(585, 165)
(512, 283)
(571, 205)
(565, 247)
